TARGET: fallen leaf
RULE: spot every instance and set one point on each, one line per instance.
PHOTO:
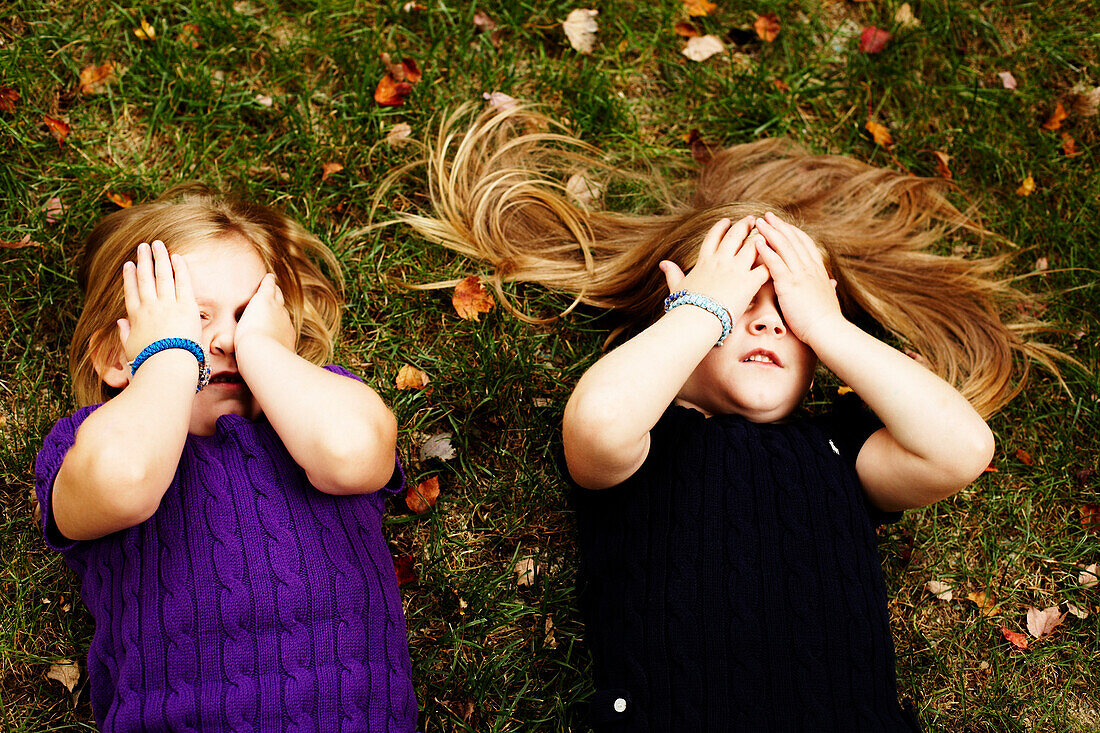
(1057, 117)
(146, 31)
(698, 8)
(1017, 639)
(549, 639)
(424, 496)
(58, 128)
(582, 191)
(405, 567)
(781, 85)
(702, 48)
(701, 151)
(404, 70)
(1069, 146)
(120, 200)
(500, 100)
(409, 377)
(879, 133)
(766, 26)
(1024, 457)
(1086, 101)
(985, 603)
(26, 241)
(95, 79)
(844, 389)
(264, 100)
(398, 134)
(390, 92)
(940, 590)
(1027, 187)
(54, 209)
(1008, 81)
(327, 169)
(483, 23)
(413, 6)
(8, 98)
(1089, 577)
(1041, 265)
(189, 35)
(438, 446)
(66, 671)
(1078, 612)
(904, 17)
(685, 29)
(525, 571)
(580, 28)
(470, 299)
(990, 469)
(1043, 623)
(942, 159)
(873, 40)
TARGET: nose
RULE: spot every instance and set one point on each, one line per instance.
(766, 320)
(221, 340)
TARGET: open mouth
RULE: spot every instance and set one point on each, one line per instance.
(762, 356)
(227, 378)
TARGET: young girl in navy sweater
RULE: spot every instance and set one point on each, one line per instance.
(219, 492)
(729, 572)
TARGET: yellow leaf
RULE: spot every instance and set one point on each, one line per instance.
(1027, 187)
(985, 602)
(879, 133)
(409, 377)
(146, 32)
(696, 8)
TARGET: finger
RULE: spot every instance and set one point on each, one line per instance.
(673, 275)
(776, 265)
(162, 268)
(734, 237)
(800, 244)
(713, 238)
(130, 288)
(184, 293)
(146, 284)
(779, 243)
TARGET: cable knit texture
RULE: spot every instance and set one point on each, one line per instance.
(248, 601)
(733, 582)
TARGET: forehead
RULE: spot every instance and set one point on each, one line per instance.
(226, 263)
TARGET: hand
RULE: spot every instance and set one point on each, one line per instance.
(266, 316)
(159, 300)
(807, 295)
(724, 269)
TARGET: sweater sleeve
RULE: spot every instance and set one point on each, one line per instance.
(396, 483)
(46, 466)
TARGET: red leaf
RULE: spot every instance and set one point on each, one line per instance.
(1024, 457)
(686, 30)
(471, 299)
(405, 567)
(1090, 517)
(392, 93)
(424, 496)
(1017, 639)
(412, 71)
(8, 98)
(873, 39)
(58, 128)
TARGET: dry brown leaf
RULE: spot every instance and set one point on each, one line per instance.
(986, 604)
(1027, 187)
(698, 8)
(398, 134)
(766, 26)
(146, 31)
(66, 671)
(1057, 117)
(328, 169)
(120, 200)
(264, 100)
(438, 446)
(580, 28)
(1008, 81)
(1078, 612)
(525, 569)
(483, 22)
(942, 159)
(549, 639)
(95, 79)
(424, 496)
(8, 98)
(879, 133)
(582, 191)
(685, 29)
(412, 6)
(409, 377)
(26, 241)
(904, 17)
(702, 48)
(471, 299)
(1017, 639)
(1043, 623)
(1086, 101)
(1024, 457)
(873, 39)
(500, 100)
(701, 151)
(1090, 576)
(1041, 265)
(58, 128)
(939, 589)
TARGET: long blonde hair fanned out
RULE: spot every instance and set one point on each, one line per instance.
(497, 185)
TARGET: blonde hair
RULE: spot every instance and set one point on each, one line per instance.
(497, 195)
(183, 218)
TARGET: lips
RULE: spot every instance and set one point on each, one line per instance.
(226, 377)
(763, 357)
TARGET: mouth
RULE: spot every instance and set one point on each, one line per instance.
(763, 357)
(227, 378)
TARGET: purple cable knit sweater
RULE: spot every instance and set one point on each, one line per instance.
(248, 601)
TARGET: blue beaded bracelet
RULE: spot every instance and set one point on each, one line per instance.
(175, 343)
(685, 297)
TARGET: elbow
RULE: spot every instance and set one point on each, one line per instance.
(124, 495)
(974, 452)
(361, 466)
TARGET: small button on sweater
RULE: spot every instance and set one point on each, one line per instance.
(248, 601)
(733, 583)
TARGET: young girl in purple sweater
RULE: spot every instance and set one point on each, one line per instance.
(219, 493)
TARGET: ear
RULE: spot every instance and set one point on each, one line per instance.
(108, 356)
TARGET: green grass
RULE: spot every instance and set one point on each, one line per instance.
(482, 660)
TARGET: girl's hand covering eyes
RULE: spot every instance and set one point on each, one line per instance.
(807, 296)
(159, 300)
(266, 315)
(724, 270)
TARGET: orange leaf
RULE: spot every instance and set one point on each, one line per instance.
(686, 30)
(986, 604)
(942, 159)
(767, 27)
(424, 496)
(189, 35)
(873, 40)
(1069, 146)
(392, 93)
(94, 79)
(471, 298)
(990, 469)
(8, 98)
(696, 8)
(412, 71)
(1024, 457)
(879, 133)
(120, 200)
(1056, 118)
(145, 31)
(1017, 639)
(409, 377)
(58, 128)
(405, 567)
(1090, 517)
(328, 169)
(1027, 187)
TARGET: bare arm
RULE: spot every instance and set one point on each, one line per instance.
(622, 396)
(126, 452)
(934, 443)
(337, 429)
